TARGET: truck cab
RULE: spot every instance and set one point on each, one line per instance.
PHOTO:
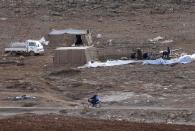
(34, 47)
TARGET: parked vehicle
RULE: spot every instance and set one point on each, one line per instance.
(30, 47)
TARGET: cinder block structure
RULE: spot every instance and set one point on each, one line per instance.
(74, 56)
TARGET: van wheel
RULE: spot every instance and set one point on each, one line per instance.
(31, 53)
(13, 53)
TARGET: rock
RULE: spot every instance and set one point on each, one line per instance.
(172, 116)
(45, 18)
(168, 121)
(17, 10)
(56, 14)
(100, 19)
(3, 19)
(99, 36)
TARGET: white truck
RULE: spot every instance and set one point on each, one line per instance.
(30, 47)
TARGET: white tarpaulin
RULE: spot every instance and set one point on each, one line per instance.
(108, 63)
(181, 60)
(68, 31)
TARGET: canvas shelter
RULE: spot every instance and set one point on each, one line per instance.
(69, 37)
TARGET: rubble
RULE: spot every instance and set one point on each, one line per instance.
(3, 19)
(156, 39)
(22, 97)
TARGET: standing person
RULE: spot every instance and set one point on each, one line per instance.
(139, 54)
(79, 41)
(166, 53)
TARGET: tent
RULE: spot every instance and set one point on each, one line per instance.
(69, 37)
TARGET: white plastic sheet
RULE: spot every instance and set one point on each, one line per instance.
(68, 31)
(185, 59)
(181, 60)
(108, 63)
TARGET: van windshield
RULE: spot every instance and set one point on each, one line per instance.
(32, 44)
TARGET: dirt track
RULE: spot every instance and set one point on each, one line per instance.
(140, 114)
(59, 123)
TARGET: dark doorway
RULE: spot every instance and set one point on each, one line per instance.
(79, 41)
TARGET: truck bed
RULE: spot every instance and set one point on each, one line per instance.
(16, 49)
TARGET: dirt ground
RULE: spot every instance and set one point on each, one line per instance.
(59, 123)
(133, 85)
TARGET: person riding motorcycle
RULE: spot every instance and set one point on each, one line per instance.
(94, 100)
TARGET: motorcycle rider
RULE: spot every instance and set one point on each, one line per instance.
(94, 100)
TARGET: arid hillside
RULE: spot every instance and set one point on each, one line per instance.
(167, 92)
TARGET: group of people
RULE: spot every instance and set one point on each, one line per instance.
(139, 55)
(95, 100)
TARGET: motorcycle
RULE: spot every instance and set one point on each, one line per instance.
(92, 103)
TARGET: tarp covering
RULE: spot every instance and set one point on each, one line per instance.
(68, 31)
(108, 63)
(181, 60)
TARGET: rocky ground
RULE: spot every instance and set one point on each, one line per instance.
(129, 24)
(55, 122)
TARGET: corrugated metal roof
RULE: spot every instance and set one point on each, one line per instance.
(68, 31)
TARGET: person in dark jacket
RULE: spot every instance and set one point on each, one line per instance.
(94, 100)
(139, 54)
(79, 41)
(166, 53)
